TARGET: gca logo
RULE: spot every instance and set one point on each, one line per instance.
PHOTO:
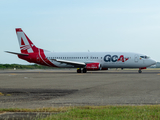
(115, 58)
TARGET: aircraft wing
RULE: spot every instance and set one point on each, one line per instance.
(70, 62)
(17, 53)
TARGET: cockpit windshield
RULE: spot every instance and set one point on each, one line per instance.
(145, 57)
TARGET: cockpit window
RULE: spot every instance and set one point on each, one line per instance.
(145, 57)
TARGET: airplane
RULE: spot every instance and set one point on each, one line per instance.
(83, 61)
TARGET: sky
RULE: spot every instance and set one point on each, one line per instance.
(81, 25)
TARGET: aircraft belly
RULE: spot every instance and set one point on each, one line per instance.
(114, 65)
(123, 65)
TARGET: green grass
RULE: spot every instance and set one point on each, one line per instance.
(109, 113)
(60, 109)
(147, 112)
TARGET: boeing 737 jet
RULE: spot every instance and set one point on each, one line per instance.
(83, 61)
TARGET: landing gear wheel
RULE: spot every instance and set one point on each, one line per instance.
(78, 70)
(139, 71)
(84, 70)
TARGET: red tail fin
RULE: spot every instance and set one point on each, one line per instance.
(26, 45)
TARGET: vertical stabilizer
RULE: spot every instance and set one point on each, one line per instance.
(26, 45)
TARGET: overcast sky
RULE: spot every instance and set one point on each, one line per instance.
(81, 25)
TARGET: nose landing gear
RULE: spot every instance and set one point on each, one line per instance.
(140, 69)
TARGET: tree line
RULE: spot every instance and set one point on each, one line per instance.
(18, 66)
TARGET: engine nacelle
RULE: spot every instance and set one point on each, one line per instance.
(93, 66)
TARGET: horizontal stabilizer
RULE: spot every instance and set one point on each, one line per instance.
(17, 53)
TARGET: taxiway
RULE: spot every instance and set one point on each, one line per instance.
(54, 88)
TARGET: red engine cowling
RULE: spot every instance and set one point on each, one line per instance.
(93, 66)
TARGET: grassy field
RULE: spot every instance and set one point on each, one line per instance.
(147, 112)
(109, 113)
(54, 110)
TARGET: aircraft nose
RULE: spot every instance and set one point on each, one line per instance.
(153, 62)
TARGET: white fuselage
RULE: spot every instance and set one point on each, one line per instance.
(106, 59)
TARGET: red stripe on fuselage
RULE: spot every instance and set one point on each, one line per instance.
(44, 58)
(38, 57)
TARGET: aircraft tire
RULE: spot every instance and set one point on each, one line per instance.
(78, 70)
(139, 71)
(84, 70)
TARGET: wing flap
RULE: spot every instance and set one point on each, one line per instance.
(70, 62)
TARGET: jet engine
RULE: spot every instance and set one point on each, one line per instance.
(93, 66)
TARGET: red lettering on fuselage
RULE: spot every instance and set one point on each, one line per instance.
(122, 58)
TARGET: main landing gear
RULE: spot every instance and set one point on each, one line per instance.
(79, 70)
